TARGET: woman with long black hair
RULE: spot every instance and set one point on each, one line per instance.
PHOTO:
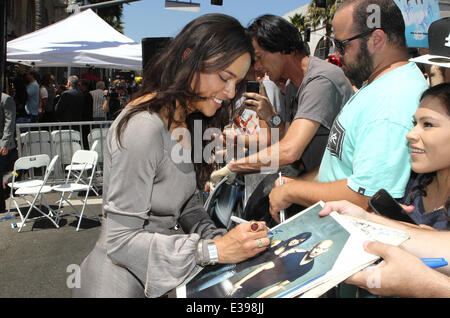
(428, 189)
(147, 191)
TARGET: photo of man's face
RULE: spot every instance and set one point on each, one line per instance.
(320, 248)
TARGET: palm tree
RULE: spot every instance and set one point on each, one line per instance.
(299, 21)
(112, 15)
(323, 17)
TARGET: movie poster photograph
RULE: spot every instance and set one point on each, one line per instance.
(303, 249)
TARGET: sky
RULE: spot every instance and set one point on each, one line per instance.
(149, 18)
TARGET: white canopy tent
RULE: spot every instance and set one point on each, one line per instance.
(83, 39)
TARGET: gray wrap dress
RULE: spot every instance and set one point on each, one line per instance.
(145, 195)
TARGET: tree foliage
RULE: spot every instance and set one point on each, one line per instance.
(322, 16)
(111, 14)
(299, 21)
(317, 17)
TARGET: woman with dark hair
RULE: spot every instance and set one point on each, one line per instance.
(428, 189)
(147, 192)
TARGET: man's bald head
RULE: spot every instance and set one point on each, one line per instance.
(370, 14)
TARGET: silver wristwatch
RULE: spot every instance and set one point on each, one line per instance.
(207, 253)
(275, 121)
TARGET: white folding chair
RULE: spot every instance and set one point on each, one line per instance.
(31, 186)
(65, 143)
(26, 163)
(35, 143)
(39, 191)
(86, 158)
(79, 169)
(98, 134)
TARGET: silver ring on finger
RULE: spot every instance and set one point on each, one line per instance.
(259, 243)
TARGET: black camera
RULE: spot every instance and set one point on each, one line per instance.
(112, 90)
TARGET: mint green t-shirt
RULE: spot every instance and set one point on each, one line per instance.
(367, 144)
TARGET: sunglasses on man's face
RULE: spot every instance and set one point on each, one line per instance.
(340, 45)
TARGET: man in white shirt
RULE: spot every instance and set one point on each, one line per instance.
(98, 97)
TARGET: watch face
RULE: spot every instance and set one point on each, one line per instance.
(276, 120)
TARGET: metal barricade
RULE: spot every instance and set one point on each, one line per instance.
(62, 139)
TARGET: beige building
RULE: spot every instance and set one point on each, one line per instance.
(25, 16)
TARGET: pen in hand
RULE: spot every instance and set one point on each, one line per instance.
(434, 262)
(282, 214)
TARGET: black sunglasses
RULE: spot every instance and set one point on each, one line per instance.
(340, 45)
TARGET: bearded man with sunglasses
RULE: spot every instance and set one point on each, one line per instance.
(366, 149)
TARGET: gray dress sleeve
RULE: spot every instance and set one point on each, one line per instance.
(194, 219)
(160, 262)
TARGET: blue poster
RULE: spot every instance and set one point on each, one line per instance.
(418, 15)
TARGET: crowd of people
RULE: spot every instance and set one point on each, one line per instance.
(34, 98)
(339, 141)
(40, 99)
(370, 121)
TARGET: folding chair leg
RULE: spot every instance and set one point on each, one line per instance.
(26, 216)
(18, 210)
(81, 216)
(50, 210)
(11, 198)
(9, 205)
(82, 210)
(58, 212)
(40, 211)
(95, 189)
(93, 186)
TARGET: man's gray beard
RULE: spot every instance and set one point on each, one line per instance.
(360, 70)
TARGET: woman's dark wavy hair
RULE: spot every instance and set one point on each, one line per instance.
(207, 44)
(441, 92)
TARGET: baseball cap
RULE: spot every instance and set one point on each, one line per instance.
(438, 43)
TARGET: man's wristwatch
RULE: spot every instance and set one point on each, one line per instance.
(275, 121)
